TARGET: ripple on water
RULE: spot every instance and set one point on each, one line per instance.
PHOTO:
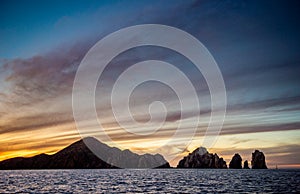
(152, 181)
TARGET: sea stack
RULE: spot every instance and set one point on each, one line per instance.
(236, 162)
(201, 158)
(258, 160)
(246, 165)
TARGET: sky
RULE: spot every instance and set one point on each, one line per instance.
(256, 45)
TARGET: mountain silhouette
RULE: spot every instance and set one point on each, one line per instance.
(79, 156)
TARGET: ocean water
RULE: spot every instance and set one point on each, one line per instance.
(150, 180)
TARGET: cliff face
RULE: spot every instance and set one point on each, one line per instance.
(201, 158)
(236, 162)
(258, 160)
(79, 156)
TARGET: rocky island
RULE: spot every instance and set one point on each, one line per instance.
(258, 160)
(201, 158)
(246, 165)
(236, 162)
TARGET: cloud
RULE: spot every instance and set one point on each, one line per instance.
(264, 104)
(229, 130)
(36, 144)
(37, 92)
(43, 76)
(35, 122)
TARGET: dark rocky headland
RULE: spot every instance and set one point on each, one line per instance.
(79, 156)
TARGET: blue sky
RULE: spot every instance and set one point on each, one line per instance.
(255, 43)
(28, 26)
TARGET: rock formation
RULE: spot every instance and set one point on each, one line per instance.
(236, 162)
(258, 160)
(246, 165)
(79, 156)
(201, 158)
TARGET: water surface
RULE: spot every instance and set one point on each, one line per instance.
(153, 180)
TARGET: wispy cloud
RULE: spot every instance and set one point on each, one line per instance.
(260, 70)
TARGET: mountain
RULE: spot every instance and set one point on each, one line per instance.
(79, 156)
(201, 158)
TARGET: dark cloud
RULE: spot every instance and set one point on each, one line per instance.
(43, 76)
(270, 104)
(257, 51)
(35, 122)
(229, 130)
(238, 141)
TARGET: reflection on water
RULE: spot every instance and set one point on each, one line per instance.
(156, 180)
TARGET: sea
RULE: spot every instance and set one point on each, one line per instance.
(150, 181)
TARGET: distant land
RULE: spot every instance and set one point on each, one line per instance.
(79, 156)
(201, 158)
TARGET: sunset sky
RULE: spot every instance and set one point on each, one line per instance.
(255, 43)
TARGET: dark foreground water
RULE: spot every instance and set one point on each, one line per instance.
(156, 180)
